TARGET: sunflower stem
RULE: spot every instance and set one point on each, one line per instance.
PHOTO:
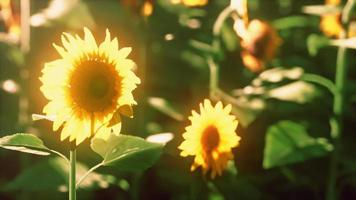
(339, 103)
(72, 174)
(214, 76)
(87, 173)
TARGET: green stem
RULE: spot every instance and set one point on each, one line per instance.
(328, 84)
(60, 155)
(87, 173)
(213, 67)
(72, 173)
(214, 76)
(339, 103)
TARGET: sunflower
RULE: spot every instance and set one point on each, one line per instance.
(210, 138)
(330, 24)
(191, 3)
(89, 87)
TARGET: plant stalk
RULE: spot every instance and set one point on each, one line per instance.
(339, 103)
(72, 173)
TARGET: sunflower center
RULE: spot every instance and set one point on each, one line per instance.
(95, 85)
(98, 86)
(210, 138)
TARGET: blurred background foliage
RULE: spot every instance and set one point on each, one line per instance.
(284, 116)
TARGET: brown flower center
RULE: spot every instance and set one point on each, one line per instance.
(210, 138)
(95, 85)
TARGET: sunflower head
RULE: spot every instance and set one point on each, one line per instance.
(191, 3)
(330, 24)
(89, 86)
(210, 138)
(260, 43)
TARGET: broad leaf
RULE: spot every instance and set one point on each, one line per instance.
(23, 142)
(299, 92)
(127, 153)
(278, 74)
(52, 175)
(288, 142)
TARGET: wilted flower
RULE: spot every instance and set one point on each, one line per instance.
(11, 18)
(210, 138)
(259, 42)
(89, 87)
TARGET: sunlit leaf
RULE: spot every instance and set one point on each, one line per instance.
(127, 153)
(278, 74)
(288, 142)
(348, 43)
(165, 107)
(321, 9)
(26, 143)
(247, 111)
(161, 138)
(299, 92)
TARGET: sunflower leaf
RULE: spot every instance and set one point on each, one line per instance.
(26, 143)
(288, 142)
(127, 153)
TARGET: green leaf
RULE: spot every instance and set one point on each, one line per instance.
(26, 143)
(316, 42)
(294, 22)
(165, 107)
(288, 142)
(298, 92)
(127, 153)
(278, 74)
(52, 175)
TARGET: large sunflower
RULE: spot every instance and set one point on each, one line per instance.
(89, 87)
(210, 138)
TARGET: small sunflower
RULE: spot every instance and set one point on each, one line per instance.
(210, 138)
(89, 87)
(191, 3)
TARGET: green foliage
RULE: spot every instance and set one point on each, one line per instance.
(316, 42)
(26, 143)
(52, 175)
(288, 142)
(284, 84)
(127, 153)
